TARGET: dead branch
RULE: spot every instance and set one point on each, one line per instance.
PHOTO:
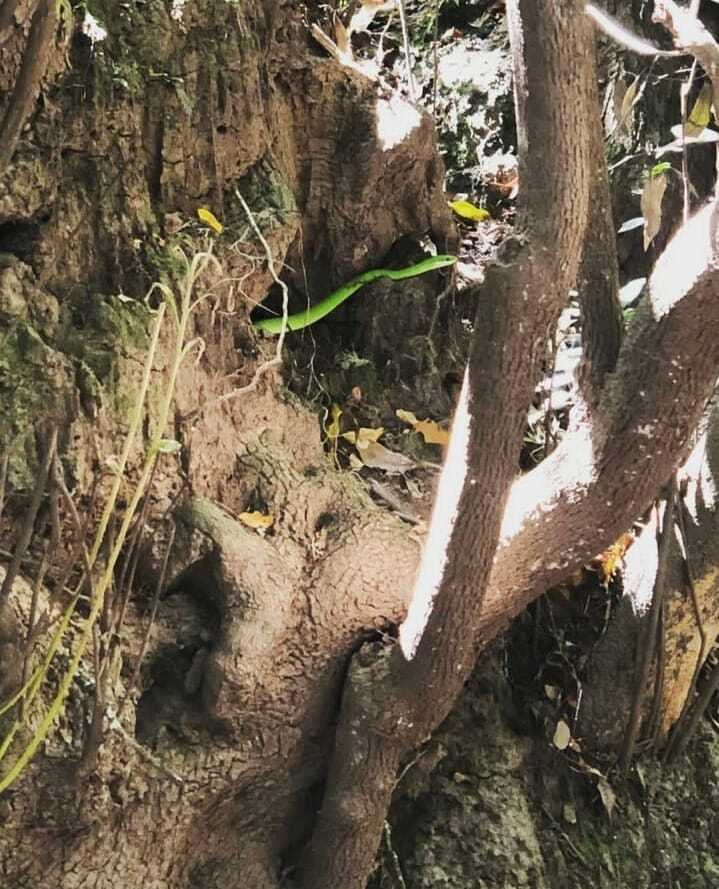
(689, 33)
(34, 64)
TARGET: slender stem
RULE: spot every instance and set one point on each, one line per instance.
(32, 69)
(25, 535)
(684, 735)
(650, 634)
(4, 464)
(407, 51)
(150, 624)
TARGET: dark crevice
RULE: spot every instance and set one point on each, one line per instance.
(19, 238)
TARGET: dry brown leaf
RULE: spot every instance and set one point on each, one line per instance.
(257, 520)
(609, 797)
(624, 104)
(342, 38)
(651, 204)
(377, 456)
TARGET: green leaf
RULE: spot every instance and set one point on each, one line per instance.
(660, 168)
(168, 446)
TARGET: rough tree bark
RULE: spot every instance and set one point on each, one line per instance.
(209, 775)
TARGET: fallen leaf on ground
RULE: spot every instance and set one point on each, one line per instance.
(377, 456)
(609, 797)
(363, 436)
(209, 218)
(257, 520)
(432, 432)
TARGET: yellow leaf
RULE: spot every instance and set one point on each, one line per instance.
(430, 431)
(363, 436)
(210, 219)
(701, 113)
(611, 558)
(406, 417)
(469, 211)
(332, 429)
(257, 520)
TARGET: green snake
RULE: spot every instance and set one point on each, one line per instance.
(337, 297)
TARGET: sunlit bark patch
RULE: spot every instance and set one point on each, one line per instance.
(434, 556)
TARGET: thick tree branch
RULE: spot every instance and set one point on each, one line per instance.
(395, 698)
(598, 282)
(606, 473)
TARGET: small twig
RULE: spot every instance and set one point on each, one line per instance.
(127, 577)
(684, 110)
(25, 535)
(623, 36)
(580, 856)
(116, 725)
(393, 858)
(554, 352)
(435, 58)
(655, 721)
(685, 731)
(4, 463)
(650, 635)
(407, 51)
(77, 524)
(27, 85)
(388, 496)
(48, 550)
(153, 614)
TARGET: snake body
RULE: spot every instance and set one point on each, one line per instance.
(337, 297)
